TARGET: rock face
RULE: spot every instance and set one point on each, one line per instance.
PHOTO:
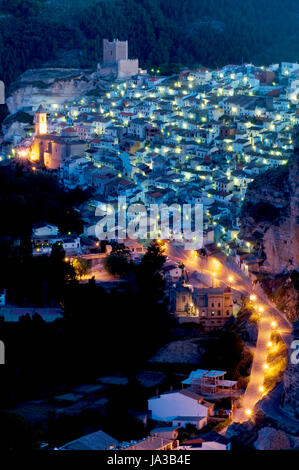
(16, 129)
(246, 328)
(242, 435)
(185, 351)
(277, 223)
(51, 86)
(291, 379)
(272, 439)
(283, 290)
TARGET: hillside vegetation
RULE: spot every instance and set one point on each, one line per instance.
(190, 32)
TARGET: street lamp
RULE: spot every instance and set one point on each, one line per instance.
(274, 324)
(248, 412)
(213, 277)
(261, 389)
(266, 366)
(252, 297)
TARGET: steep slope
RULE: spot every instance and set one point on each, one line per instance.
(271, 216)
(190, 32)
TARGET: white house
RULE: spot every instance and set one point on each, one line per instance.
(198, 421)
(70, 244)
(289, 67)
(210, 441)
(172, 272)
(170, 405)
(137, 128)
(100, 124)
(44, 229)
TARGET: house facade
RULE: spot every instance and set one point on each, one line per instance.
(168, 406)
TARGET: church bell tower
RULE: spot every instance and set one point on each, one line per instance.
(41, 123)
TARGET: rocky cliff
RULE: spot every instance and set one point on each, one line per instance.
(270, 217)
(291, 380)
(51, 86)
(283, 290)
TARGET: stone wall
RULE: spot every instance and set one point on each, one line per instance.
(114, 51)
(128, 68)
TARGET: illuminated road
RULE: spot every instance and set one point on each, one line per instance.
(228, 273)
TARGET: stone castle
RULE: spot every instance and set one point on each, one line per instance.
(116, 60)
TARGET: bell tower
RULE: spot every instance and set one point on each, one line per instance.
(41, 123)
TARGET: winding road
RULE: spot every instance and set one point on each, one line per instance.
(226, 272)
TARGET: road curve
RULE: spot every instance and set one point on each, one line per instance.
(223, 273)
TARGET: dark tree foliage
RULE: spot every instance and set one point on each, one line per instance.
(189, 32)
(22, 7)
(117, 262)
(16, 434)
(224, 353)
(100, 332)
(254, 206)
(27, 198)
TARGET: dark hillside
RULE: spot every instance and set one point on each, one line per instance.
(190, 32)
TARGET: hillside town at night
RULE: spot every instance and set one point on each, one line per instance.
(198, 334)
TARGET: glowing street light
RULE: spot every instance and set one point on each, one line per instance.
(269, 344)
(274, 324)
(261, 388)
(230, 278)
(252, 297)
(213, 279)
(248, 412)
(266, 366)
(261, 309)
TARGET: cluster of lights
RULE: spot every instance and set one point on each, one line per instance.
(261, 388)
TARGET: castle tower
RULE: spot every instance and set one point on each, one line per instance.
(41, 123)
(114, 51)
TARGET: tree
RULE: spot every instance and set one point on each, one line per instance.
(17, 435)
(223, 352)
(81, 266)
(148, 272)
(57, 252)
(117, 262)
